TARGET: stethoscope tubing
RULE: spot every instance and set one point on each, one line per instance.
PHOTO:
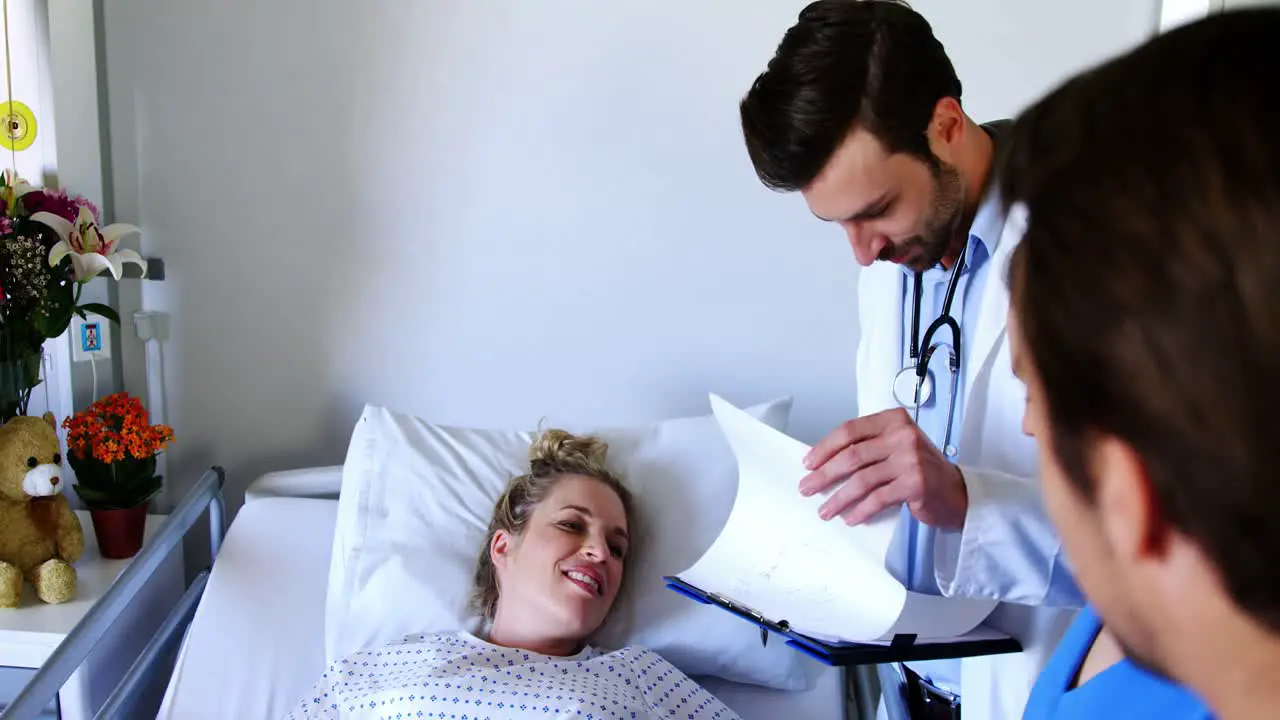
(945, 319)
(921, 360)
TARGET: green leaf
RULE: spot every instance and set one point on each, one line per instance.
(52, 326)
(94, 498)
(91, 473)
(105, 311)
(53, 315)
(123, 484)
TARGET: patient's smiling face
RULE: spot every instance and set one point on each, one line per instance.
(558, 580)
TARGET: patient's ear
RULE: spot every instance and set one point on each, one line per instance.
(500, 548)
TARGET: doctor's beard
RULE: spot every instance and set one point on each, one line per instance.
(946, 208)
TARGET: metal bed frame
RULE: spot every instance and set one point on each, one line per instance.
(68, 656)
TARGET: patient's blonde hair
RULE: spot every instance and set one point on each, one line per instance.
(552, 456)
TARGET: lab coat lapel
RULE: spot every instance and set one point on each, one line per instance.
(881, 347)
(993, 313)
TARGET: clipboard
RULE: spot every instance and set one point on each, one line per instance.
(903, 648)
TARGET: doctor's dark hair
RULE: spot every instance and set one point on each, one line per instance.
(553, 455)
(872, 63)
(1147, 284)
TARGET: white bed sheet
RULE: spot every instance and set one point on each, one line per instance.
(256, 642)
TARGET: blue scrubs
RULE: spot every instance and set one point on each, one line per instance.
(1123, 690)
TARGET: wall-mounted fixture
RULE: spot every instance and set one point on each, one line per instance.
(155, 270)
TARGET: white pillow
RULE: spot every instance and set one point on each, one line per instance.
(415, 504)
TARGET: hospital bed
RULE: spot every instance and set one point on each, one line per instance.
(247, 638)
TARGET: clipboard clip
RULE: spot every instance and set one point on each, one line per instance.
(755, 616)
(783, 625)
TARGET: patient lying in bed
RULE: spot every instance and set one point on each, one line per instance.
(546, 580)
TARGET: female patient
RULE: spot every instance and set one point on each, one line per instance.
(546, 579)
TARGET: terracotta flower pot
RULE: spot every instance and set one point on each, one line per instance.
(119, 532)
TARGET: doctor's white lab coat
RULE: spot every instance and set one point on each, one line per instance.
(1008, 550)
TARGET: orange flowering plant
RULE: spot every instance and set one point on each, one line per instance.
(112, 448)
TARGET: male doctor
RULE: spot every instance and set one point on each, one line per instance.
(859, 111)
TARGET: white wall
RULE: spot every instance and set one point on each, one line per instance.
(489, 212)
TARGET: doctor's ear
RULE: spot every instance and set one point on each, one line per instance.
(946, 127)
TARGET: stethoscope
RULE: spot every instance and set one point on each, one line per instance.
(912, 386)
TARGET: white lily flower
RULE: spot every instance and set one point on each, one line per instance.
(92, 249)
(15, 187)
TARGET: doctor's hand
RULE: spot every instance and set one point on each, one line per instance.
(883, 460)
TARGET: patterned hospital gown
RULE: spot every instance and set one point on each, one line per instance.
(460, 677)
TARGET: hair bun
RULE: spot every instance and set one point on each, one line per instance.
(558, 450)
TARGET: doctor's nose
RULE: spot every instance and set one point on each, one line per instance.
(866, 245)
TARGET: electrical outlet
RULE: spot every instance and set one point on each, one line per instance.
(90, 338)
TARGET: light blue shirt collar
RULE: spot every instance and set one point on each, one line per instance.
(988, 223)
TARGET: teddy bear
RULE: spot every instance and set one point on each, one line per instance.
(40, 536)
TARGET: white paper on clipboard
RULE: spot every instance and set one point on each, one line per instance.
(826, 579)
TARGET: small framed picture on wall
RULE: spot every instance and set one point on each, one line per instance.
(90, 337)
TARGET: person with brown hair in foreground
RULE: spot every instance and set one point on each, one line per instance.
(1145, 323)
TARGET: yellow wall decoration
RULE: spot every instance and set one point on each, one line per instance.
(17, 125)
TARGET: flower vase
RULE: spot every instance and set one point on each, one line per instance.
(18, 376)
(119, 532)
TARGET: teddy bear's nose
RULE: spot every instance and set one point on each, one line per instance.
(53, 481)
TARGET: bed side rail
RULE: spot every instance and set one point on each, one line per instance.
(134, 692)
(48, 680)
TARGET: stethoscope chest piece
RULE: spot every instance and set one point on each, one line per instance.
(904, 387)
